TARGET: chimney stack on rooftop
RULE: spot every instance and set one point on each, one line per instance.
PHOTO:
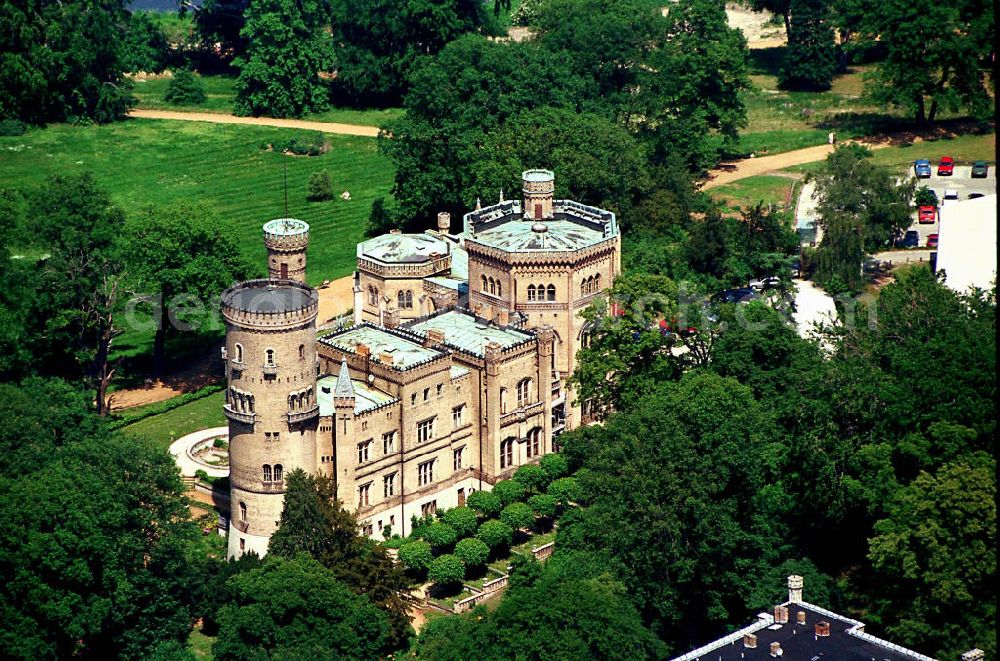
(503, 317)
(973, 655)
(795, 589)
(444, 222)
(776, 650)
(780, 614)
(750, 640)
(822, 629)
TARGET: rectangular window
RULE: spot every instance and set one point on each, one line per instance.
(364, 451)
(363, 494)
(427, 394)
(428, 509)
(389, 443)
(440, 389)
(425, 430)
(389, 485)
(458, 458)
(458, 416)
(425, 473)
(366, 529)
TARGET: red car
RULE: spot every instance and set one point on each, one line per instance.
(927, 214)
(946, 167)
(932, 240)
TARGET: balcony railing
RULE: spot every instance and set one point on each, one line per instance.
(302, 416)
(270, 369)
(522, 413)
(239, 416)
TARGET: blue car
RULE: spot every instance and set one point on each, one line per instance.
(922, 168)
(910, 240)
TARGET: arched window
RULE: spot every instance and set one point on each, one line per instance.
(583, 288)
(507, 453)
(269, 357)
(409, 299)
(400, 299)
(597, 282)
(250, 403)
(534, 447)
(531, 292)
(267, 472)
(238, 350)
(277, 473)
(499, 289)
(372, 295)
(243, 511)
(302, 352)
(503, 400)
(523, 392)
(484, 289)
(493, 286)
(551, 291)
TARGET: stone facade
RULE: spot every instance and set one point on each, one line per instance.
(271, 401)
(286, 240)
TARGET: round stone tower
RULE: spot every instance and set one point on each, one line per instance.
(286, 240)
(270, 401)
(538, 187)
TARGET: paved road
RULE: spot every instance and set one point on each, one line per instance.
(180, 449)
(219, 118)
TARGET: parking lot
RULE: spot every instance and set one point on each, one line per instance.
(961, 182)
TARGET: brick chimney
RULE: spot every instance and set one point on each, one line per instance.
(780, 614)
(434, 337)
(795, 589)
(800, 617)
(822, 629)
(444, 222)
(390, 318)
(362, 350)
(776, 650)
(750, 640)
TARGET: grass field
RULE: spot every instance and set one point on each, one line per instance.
(221, 92)
(143, 162)
(167, 427)
(769, 189)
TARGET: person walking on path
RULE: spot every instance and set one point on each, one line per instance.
(832, 138)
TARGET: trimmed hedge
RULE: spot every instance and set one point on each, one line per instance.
(473, 552)
(164, 406)
(486, 503)
(565, 490)
(495, 534)
(462, 519)
(518, 516)
(532, 478)
(543, 504)
(508, 491)
(416, 556)
(446, 570)
(554, 465)
(440, 535)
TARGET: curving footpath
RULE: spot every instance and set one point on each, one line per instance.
(181, 451)
(220, 118)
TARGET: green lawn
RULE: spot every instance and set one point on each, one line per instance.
(200, 644)
(221, 92)
(768, 189)
(167, 427)
(157, 162)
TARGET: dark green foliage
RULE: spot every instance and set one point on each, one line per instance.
(376, 49)
(639, 517)
(314, 522)
(286, 50)
(93, 545)
(922, 72)
(380, 220)
(934, 558)
(495, 534)
(439, 535)
(320, 187)
(446, 570)
(12, 127)
(925, 196)
(221, 22)
(532, 478)
(572, 608)
(145, 47)
(554, 465)
(294, 607)
(62, 61)
(485, 502)
(565, 490)
(543, 504)
(472, 552)
(518, 516)
(216, 591)
(185, 88)
(462, 519)
(508, 491)
(811, 57)
(416, 556)
(861, 208)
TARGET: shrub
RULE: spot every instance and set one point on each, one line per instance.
(517, 516)
(440, 535)
(462, 519)
(925, 196)
(486, 503)
(473, 552)
(393, 542)
(508, 491)
(320, 187)
(495, 534)
(416, 556)
(311, 144)
(185, 88)
(11, 127)
(446, 570)
(565, 490)
(532, 478)
(554, 465)
(543, 505)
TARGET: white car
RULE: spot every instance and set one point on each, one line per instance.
(950, 194)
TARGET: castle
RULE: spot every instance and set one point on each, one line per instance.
(453, 374)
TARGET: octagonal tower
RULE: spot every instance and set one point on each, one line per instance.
(271, 401)
(286, 240)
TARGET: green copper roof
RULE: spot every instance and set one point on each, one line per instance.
(366, 398)
(464, 331)
(549, 235)
(286, 226)
(405, 353)
(402, 248)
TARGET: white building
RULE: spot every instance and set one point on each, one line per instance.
(967, 243)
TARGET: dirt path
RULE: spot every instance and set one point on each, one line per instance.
(727, 173)
(219, 118)
(197, 374)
